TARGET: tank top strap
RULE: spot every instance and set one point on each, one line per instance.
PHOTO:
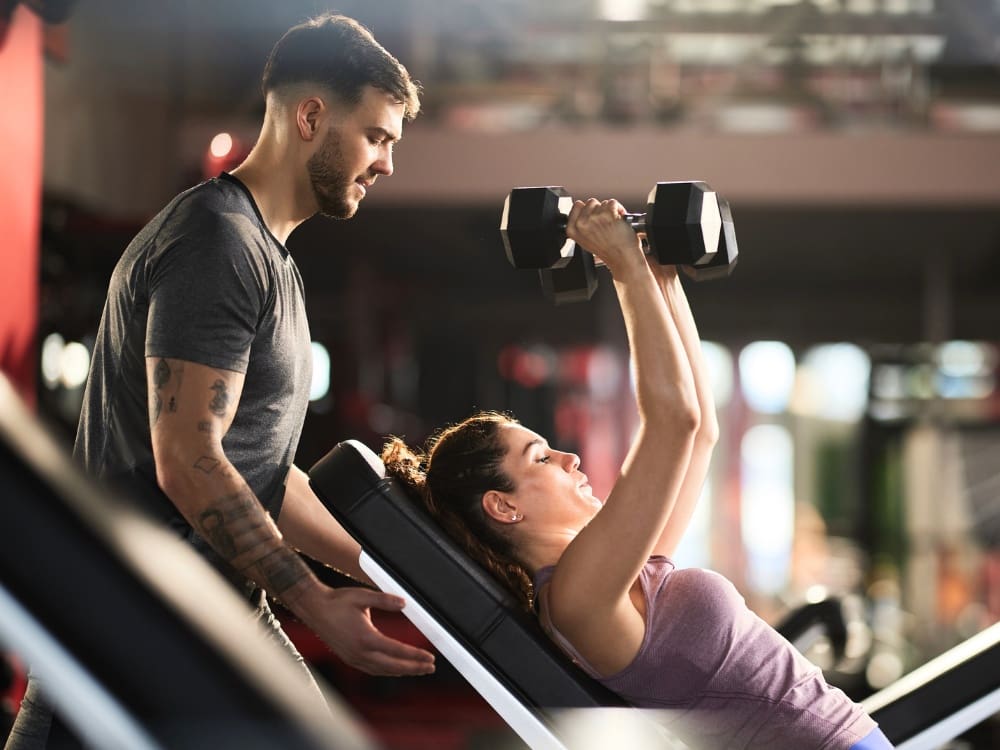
(542, 577)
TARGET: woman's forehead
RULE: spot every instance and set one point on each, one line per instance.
(517, 436)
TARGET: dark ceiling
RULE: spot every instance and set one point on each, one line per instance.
(509, 47)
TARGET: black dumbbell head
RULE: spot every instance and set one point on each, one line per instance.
(682, 222)
(724, 261)
(574, 282)
(533, 227)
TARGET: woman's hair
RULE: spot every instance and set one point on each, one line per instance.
(459, 465)
(339, 53)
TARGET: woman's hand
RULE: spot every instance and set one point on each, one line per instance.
(599, 227)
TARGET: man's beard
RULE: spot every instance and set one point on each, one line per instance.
(329, 181)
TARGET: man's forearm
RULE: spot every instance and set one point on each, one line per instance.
(242, 532)
(223, 509)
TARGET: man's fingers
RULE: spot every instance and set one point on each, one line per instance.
(387, 656)
(389, 666)
(387, 653)
(397, 649)
(363, 597)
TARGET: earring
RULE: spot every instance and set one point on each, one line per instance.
(516, 517)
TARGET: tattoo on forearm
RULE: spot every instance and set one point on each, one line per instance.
(205, 427)
(241, 531)
(206, 464)
(220, 400)
(213, 528)
(157, 407)
(282, 569)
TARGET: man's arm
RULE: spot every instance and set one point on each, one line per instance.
(308, 527)
(191, 407)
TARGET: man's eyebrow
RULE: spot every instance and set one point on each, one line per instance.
(385, 133)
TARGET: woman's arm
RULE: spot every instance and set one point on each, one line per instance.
(708, 430)
(588, 597)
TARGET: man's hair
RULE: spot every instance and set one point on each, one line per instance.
(340, 54)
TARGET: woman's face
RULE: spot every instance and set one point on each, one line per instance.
(550, 489)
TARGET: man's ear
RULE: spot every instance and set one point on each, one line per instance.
(500, 507)
(308, 115)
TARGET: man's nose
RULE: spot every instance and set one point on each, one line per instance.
(383, 165)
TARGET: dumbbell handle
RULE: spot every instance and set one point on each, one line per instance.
(638, 223)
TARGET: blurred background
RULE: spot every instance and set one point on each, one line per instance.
(854, 350)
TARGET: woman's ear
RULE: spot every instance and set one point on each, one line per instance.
(500, 507)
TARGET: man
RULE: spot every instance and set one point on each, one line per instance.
(202, 364)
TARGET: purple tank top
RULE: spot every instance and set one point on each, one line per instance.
(720, 675)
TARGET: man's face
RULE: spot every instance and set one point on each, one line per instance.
(357, 149)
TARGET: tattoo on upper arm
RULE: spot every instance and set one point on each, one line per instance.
(161, 375)
(220, 400)
(164, 375)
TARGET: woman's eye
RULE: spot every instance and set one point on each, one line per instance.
(544, 459)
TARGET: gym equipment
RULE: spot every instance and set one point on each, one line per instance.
(685, 224)
(681, 225)
(109, 609)
(941, 699)
(724, 261)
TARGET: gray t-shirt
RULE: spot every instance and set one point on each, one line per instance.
(205, 282)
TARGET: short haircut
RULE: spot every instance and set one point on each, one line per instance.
(340, 54)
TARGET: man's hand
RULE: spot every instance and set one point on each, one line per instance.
(342, 619)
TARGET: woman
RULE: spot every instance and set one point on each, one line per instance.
(599, 573)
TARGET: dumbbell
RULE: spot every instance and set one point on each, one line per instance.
(685, 224)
